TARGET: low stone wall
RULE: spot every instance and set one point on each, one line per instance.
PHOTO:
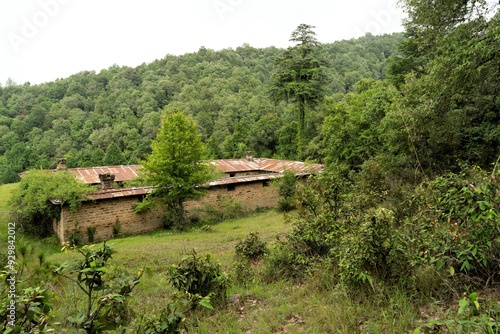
(103, 215)
(251, 196)
(106, 213)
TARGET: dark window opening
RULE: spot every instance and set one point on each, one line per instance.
(231, 187)
(232, 174)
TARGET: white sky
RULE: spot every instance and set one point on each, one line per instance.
(42, 40)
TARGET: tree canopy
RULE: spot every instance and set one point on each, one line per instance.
(300, 77)
(225, 92)
(176, 168)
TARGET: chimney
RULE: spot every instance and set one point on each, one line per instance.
(107, 180)
(61, 164)
(249, 156)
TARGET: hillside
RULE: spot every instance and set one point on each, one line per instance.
(110, 117)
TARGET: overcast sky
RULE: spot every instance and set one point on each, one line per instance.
(42, 40)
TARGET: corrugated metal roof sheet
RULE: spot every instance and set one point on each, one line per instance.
(266, 165)
(243, 179)
(112, 193)
(120, 192)
(90, 175)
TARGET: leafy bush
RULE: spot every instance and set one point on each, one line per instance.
(369, 248)
(172, 320)
(31, 309)
(30, 201)
(200, 276)
(90, 233)
(287, 259)
(470, 318)
(242, 271)
(106, 300)
(457, 223)
(225, 208)
(251, 248)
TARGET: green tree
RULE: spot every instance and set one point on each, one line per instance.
(175, 167)
(352, 132)
(113, 155)
(300, 76)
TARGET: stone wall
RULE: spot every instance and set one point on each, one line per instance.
(104, 214)
(251, 195)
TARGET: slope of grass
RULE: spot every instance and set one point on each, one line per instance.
(5, 191)
(157, 250)
(312, 306)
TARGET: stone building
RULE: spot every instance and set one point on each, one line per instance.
(109, 211)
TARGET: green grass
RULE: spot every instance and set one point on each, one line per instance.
(5, 191)
(313, 306)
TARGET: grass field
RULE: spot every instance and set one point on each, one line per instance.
(313, 306)
(5, 191)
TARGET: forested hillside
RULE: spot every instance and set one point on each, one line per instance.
(111, 117)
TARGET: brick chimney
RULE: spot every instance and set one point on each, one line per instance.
(61, 164)
(107, 180)
(249, 156)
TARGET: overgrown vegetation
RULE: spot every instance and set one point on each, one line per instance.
(32, 209)
(200, 276)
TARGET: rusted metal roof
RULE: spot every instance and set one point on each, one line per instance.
(112, 193)
(243, 179)
(120, 192)
(90, 175)
(266, 165)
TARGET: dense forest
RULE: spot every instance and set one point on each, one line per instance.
(111, 117)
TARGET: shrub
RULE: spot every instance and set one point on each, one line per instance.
(225, 208)
(471, 317)
(457, 223)
(286, 189)
(287, 259)
(31, 312)
(90, 233)
(106, 300)
(200, 276)
(369, 248)
(242, 271)
(116, 229)
(173, 318)
(30, 201)
(251, 248)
